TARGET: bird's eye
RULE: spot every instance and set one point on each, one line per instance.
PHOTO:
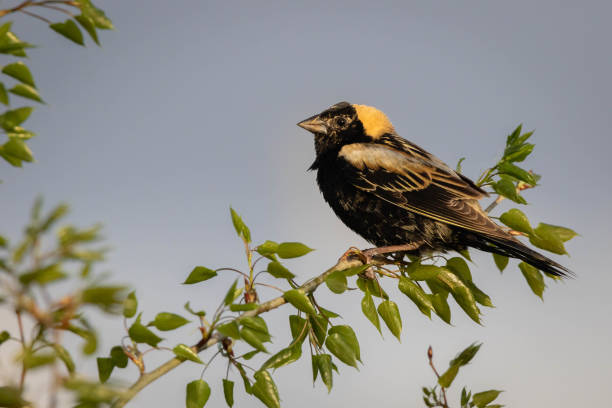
(340, 122)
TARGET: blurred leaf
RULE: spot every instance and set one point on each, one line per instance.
(355, 270)
(299, 300)
(105, 297)
(165, 321)
(481, 399)
(501, 261)
(337, 345)
(516, 220)
(243, 307)
(228, 392)
(38, 359)
(20, 72)
(70, 30)
(17, 149)
(277, 270)
(185, 352)
(44, 275)
(323, 365)
(283, 357)
(55, 215)
(251, 337)
(4, 98)
(4, 336)
(63, 355)
(199, 274)
(446, 379)
(130, 305)
(416, 294)
(465, 356)
(140, 334)
(336, 282)
(265, 389)
(369, 310)
(299, 328)
(440, 305)
(69, 235)
(256, 323)
(95, 14)
(250, 354)
(199, 313)
(517, 172)
(232, 293)
(564, 234)
(120, 359)
(348, 336)
(547, 239)
(458, 167)
(10, 397)
(245, 379)
(292, 250)
(11, 118)
(26, 91)
(507, 189)
(319, 327)
(198, 392)
(534, 278)
(88, 334)
(267, 248)
(89, 26)
(241, 229)
(389, 312)
(423, 272)
(229, 330)
(105, 368)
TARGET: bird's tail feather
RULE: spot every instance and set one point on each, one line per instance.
(515, 249)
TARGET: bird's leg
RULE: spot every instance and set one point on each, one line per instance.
(372, 252)
(354, 251)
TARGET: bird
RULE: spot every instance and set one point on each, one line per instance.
(398, 196)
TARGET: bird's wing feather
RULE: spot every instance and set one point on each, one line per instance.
(418, 182)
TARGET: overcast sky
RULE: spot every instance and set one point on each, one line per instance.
(191, 106)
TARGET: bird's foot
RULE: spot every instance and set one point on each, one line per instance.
(364, 257)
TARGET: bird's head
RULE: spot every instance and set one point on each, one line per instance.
(345, 123)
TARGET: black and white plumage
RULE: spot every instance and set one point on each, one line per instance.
(392, 192)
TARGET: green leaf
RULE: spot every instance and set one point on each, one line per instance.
(517, 172)
(564, 234)
(458, 167)
(465, 356)
(516, 220)
(277, 270)
(349, 337)
(389, 312)
(256, 323)
(11, 118)
(440, 305)
(267, 248)
(232, 293)
(481, 399)
(265, 389)
(461, 293)
(11, 397)
(355, 270)
(4, 336)
(507, 189)
(299, 300)
(460, 268)
(70, 30)
(250, 354)
(120, 359)
(229, 330)
(105, 368)
(337, 345)
(199, 313)
(245, 379)
(336, 282)
(416, 294)
(243, 307)
(44, 275)
(292, 250)
(95, 14)
(20, 72)
(106, 297)
(251, 337)
(501, 261)
(228, 392)
(140, 334)
(534, 278)
(299, 328)
(548, 239)
(319, 327)
(3, 94)
(323, 365)
(63, 355)
(479, 295)
(241, 229)
(17, 149)
(130, 305)
(199, 274)
(369, 310)
(88, 25)
(198, 392)
(423, 272)
(449, 375)
(185, 352)
(372, 286)
(26, 91)
(283, 357)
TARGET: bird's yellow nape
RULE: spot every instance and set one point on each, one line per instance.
(375, 122)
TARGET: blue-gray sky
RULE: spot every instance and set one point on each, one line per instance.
(191, 106)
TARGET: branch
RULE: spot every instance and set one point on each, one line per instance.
(44, 3)
(216, 337)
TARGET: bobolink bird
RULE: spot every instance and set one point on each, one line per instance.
(398, 196)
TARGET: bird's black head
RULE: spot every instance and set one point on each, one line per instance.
(345, 123)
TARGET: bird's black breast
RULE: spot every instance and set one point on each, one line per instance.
(376, 220)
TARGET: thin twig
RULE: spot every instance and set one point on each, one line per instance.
(430, 357)
(46, 20)
(22, 339)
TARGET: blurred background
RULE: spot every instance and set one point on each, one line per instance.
(191, 106)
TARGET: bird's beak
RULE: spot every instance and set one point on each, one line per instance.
(314, 124)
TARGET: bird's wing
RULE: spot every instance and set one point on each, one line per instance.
(413, 179)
